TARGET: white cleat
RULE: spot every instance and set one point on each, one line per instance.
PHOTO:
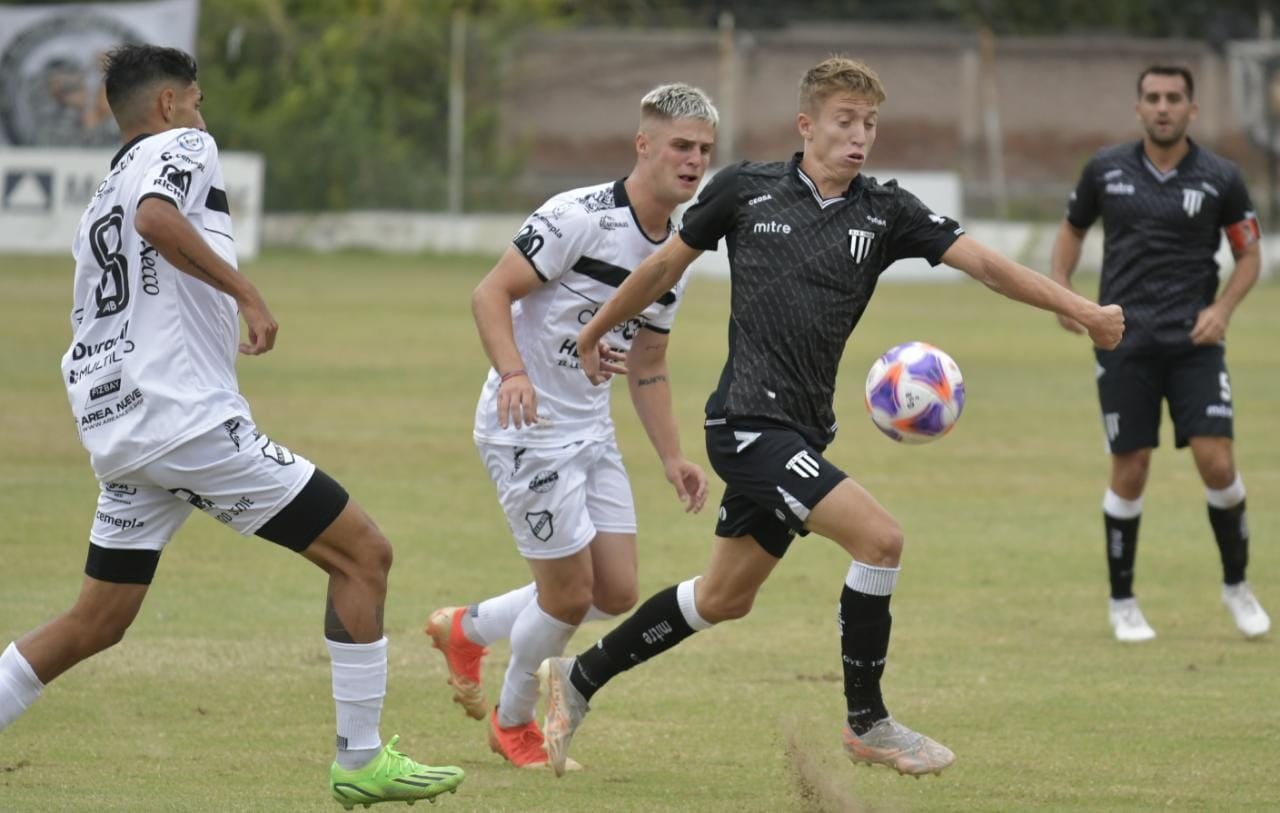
(890, 743)
(1128, 622)
(566, 708)
(1251, 619)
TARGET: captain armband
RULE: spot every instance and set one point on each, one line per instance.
(1243, 234)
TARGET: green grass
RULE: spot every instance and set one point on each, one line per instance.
(219, 697)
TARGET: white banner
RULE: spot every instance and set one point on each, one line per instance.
(43, 193)
(51, 91)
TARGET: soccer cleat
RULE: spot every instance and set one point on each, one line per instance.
(391, 777)
(1130, 625)
(566, 708)
(462, 657)
(522, 745)
(891, 743)
(1250, 618)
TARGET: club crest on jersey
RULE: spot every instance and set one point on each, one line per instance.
(1192, 200)
(860, 244)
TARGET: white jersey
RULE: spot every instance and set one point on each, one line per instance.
(152, 359)
(582, 243)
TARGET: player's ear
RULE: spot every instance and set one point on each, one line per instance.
(167, 101)
(804, 124)
(642, 144)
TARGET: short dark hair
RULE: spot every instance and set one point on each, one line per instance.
(131, 67)
(1169, 70)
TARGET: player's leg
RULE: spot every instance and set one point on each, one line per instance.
(243, 479)
(1131, 390)
(1203, 417)
(132, 524)
(854, 519)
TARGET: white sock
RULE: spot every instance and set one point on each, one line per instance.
(872, 580)
(597, 614)
(359, 685)
(688, 607)
(19, 686)
(1113, 505)
(1228, 497)
(492, 619)
(535, 637)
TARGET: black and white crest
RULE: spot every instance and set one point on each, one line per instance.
(1192, 200)
(860, 244)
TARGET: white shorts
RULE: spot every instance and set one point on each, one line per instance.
(234, 474)
(557, 500)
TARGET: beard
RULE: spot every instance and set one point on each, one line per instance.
(1166, 141)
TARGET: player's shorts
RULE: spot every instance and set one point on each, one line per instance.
(1132, 385)
(557, 500)
(234, 474)
(773, 479)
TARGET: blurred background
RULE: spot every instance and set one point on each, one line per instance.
(432, 124)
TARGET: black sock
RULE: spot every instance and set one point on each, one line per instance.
(655, 627)
(864, 644)
(1122, 551)
(1231, 530)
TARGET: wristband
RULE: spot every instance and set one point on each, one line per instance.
(506, 376)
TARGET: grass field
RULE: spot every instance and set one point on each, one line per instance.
(219, 698)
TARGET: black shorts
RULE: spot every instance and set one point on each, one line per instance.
(773, 479)
(1132, 385)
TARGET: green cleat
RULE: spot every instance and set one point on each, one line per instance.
(392, 777)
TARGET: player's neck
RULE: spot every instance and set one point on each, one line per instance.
(1165, 158)
(830, 184)
(652, 214)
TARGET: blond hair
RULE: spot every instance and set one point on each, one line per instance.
(678, 101)
(838, 74)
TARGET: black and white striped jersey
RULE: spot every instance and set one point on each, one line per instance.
(802, 271)
(1161, 231)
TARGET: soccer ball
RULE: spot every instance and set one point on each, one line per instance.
(915, 393)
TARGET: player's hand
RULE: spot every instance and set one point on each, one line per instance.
(262, 326)
(690, 482)
(1211, 326)
(1107, 327)
(517, 402)
(1070, 325)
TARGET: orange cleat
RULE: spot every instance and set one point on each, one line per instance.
(462, 656)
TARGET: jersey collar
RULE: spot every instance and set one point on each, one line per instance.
(1193, 150)
(620, 199)
(128, 146)
(813, 187)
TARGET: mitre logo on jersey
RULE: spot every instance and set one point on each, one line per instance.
(1192, 200)
(860, 244)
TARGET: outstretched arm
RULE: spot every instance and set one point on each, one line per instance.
(651, 396)
(1105, 324)
(1062, 264)
(162, 225)
(655, 276)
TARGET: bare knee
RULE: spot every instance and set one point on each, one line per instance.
(567, 602)
(1129, 473)
(617, 600)
(97, 631)
(716, 606)
(882, 545)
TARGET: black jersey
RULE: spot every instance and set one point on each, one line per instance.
(1161, 231)
(802, 269)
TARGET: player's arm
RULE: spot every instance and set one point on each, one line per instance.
(1105, 324)
(651, 396)
(511, 279)
(655, 276)
(1063, 260)
(1211, 323)
(160, 223)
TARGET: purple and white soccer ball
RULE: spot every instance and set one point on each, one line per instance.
(915, 393)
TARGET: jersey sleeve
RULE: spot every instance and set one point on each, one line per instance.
(1238, 217)
(918, 232)
(184, 172)
(552, 239)
(1082, 204)
(714, 213)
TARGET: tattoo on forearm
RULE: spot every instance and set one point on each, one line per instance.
(644, 382)
(200, 270)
